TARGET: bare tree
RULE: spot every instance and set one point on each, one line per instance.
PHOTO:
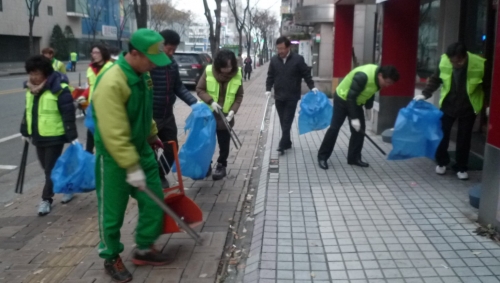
(121, 20)
(141, 13)
(165, 15)
(32, 6)
(265, 23)
(93, 9)
(214, 36)
(239, 20)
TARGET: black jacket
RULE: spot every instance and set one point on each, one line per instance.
(167, 85)
(66, 108)
(287, 77)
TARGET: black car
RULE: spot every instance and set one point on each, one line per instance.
(191, 66)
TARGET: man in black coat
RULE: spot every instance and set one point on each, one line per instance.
(167, 86)
(286, 71)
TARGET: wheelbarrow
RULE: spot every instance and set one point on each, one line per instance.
(186, 213)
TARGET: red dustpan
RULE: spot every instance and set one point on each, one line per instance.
(175, 198)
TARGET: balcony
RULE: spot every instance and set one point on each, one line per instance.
(74, 9)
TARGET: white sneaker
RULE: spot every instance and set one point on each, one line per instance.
(440, 170)
(67, 198)
(463, 176)
(44, 208)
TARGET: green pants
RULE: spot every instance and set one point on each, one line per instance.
(112, 197)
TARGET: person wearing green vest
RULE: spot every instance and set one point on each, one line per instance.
(125, 161)
(48, 120)
(100, 63)
(461, 75)
(56, 64)
(356, 90)
(74, 59)
(221, 87)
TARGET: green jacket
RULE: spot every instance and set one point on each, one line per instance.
(475, 73)
(231, 90)
(123, 114)
(92, 76)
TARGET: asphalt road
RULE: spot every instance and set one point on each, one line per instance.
(12, 99)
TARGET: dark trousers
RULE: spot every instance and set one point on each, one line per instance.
(167, 131)
(224, 140)
(73, 66)
(48, 156)
(286, 113)
(247, 74)
(464, 135)
(89, 146)
(340, 113)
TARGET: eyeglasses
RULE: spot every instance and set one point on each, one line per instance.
(95, 52)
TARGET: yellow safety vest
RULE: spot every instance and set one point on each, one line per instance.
(92, 77)
(50, 123)
(74, 56)
(371, 85)
(475, 73)
(213, 88)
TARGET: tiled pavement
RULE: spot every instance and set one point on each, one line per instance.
(393, 222)
(61, 247)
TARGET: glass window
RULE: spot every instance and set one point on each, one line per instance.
(473, 31)
(1, 6)
(185, 58)
(49, 10)
(428, 32)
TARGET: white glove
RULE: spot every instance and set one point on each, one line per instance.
(216, 107)
(356, 124)
(419, 97)
(230, 116)
(75, 141)
(81, 100)
(268, 93)
(368, 114)
(137, 179)
(487, 112)
(315, 90)
(25, 139)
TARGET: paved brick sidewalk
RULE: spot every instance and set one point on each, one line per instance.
(61, 247)
(393, 222)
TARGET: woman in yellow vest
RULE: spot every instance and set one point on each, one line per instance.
(56, 64)
(221, 88)
(100, 63)
(462, 98)
(49, 120)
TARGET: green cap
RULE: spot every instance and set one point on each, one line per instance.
(150, 43)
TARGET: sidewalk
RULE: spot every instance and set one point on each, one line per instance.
(62, 247)
(392, 222)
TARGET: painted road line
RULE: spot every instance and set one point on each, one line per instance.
(10, 91)
(7, 167)
(9, 138)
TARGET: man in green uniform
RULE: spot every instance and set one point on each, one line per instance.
(74, 59)
(462, 96)
(125, 161)
(356, 90)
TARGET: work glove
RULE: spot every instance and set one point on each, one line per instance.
(230, 116)
(156, 144)
(419, 97)
(75, 141)
(137, 179)
(268, 93)
(315, 90)
(368, 114)
(356, 124)
(487, 111)
(81, 100)
(26, 139)
(216, 107)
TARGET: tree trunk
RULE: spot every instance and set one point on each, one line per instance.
(31, 41)
(141, 13)
(240, 41)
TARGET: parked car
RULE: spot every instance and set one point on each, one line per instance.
(192, 65)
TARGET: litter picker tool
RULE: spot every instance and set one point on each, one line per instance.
(265, 112)
(375, 144)
(22, 169)
(232, 133)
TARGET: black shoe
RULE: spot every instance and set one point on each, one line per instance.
(281, 150)
(322, 164)
(220, 172)
(117, 270)
(209, 172)
(153, 257)
(359, 163)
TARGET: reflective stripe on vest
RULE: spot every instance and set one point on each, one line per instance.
(55, 65)
(475, 73)
(213, 88)
(371, 85)
(50, 123)
(93, 77)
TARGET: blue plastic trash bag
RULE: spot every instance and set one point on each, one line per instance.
(89, 120)
(417, 132)
(316, 112)
(196, 153)
(68, 66)
(74, 171)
